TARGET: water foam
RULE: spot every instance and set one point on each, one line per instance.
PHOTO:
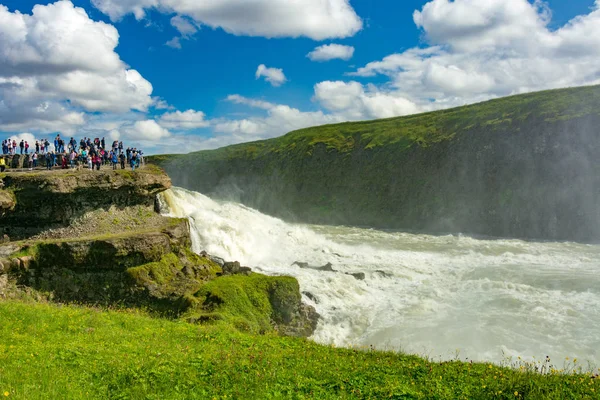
(423, 294)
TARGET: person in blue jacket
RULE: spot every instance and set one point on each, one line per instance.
(114, 160)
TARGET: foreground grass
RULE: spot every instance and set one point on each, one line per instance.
(53, 352)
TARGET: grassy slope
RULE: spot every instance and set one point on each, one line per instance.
(74, 353)
(428, 128)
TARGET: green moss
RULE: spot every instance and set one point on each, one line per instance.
(249, 303)
(159, 273)
(26, 251)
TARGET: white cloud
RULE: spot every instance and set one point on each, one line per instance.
(469, 25)
(186, 27)
(330, 52)
(316, 19)
(351, 101)
(237, 99)
(274, 76)
(160, 104)
(148, 130)
(55, 63)
(174, 43)
(189, 119)
(482, 50)
(280, 119)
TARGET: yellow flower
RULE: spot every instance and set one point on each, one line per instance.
(516, 393)
(6, 394)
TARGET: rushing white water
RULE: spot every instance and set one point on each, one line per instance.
(430, 295)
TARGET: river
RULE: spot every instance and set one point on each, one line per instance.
(442, 297)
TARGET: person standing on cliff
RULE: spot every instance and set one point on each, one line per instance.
(22, 146)
(2, 164)
(49, 161)
(72, 158)
(122, 159)
(114, 159)
(133, 161)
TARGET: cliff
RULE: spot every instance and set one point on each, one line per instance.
(34, 201)
(95, 238)
(524, 166)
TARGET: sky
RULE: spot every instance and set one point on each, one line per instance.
(175, 76)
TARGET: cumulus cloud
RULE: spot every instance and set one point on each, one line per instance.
(481, 50)
(469, 25)
(189, 119)
(351, 101)
(279, 120)
(148, 130)
(274, 76)
(56, 63)
(316, 19)
(330, 52)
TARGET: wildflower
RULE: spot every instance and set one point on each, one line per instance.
(516, 393)
(6, 394)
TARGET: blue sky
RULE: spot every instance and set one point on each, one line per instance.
(64, 69)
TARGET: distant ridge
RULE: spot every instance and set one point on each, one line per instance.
(525, 166)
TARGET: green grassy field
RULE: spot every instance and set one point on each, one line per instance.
(65, 352)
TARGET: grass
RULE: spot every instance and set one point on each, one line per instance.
(54, 352)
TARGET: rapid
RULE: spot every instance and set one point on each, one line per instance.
(443, 297)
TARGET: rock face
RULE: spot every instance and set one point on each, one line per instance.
(111, 270)
(34, 201)
(157, 271)
(150, 266)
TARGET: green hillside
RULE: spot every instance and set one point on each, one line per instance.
(65, 352)
(522, 166)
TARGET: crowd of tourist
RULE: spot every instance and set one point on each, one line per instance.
(88, 152)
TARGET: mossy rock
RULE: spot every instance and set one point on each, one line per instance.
(256, 303)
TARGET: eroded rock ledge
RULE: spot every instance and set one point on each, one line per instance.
(33, 201)
(149, 265)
